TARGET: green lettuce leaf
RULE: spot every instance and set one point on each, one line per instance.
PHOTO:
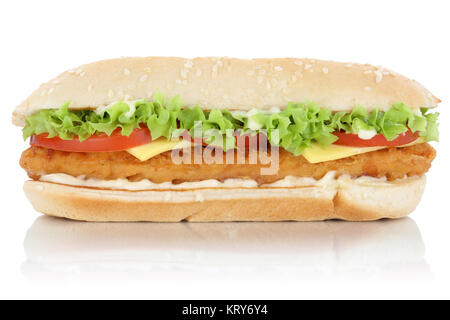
(294, 128)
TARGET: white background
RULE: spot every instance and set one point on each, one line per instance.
(48, 258)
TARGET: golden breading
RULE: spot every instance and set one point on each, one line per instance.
(392, 163)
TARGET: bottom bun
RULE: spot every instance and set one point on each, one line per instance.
(361, 199)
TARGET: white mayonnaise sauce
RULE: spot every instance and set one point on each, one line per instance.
(367, 134)
(124, 184)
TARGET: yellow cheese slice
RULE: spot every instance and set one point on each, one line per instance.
(316, 153)
(156, 147)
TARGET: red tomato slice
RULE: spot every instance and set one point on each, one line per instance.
(352, 140)
(96, 143)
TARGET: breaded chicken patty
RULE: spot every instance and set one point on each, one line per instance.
(392, 163)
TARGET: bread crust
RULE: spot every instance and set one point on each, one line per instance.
(228, 83)
(351, 200)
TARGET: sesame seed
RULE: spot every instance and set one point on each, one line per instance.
(278, 68)
(312, 61)
(90, 88)
(189, 64)
(82, 74)
(251, 72)
(43, 93)
(262, 71)
(50, 91)
(294, 78)
(178, 81)
(367, 88)
(299, 63)
(71, 71)
(379, 78)
(348, 65)
(220, 63)
(184, 73)
(110, 93)
(368, 72)
(311, 70)
(379, 74)
(260, 80)
(77, 72)
(126, 72)
(147, 69)
(184, 82)
(127, 97)
(325, 70)
(307, 66)
(268, 85)
(198, 73)
(144, 78)
(385, 73)
(55, 81)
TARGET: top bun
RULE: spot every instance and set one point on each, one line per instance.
(229, 83)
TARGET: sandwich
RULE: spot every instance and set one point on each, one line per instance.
(223, 139)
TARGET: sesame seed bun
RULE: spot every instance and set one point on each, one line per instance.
(350, 199)
(228, 83)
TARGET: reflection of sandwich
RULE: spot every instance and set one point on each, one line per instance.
(387, 248)
(106, 139)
